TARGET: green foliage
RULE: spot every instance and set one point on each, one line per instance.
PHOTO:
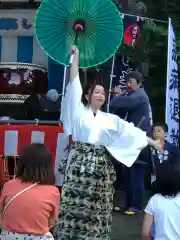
(155, 53)
(164, 9)
(151, 47)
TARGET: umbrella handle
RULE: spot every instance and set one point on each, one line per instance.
(72, 55)
(71, 59)
(141, 122)
(76, 37)
(78, 27)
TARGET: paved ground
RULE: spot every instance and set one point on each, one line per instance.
(125, 227)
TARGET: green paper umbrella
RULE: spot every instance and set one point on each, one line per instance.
(94, 25)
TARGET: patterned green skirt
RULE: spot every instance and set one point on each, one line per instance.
(87, 195)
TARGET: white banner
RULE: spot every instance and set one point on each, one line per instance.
(17, 22)
(172, 94)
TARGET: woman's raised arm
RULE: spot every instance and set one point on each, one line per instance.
(74, 71)
(71, 104)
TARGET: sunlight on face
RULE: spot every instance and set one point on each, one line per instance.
(98, 97)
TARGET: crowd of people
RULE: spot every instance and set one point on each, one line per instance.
(31, 206)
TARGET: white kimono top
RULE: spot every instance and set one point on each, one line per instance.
(122, 139)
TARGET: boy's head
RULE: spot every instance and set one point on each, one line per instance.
(159, 131)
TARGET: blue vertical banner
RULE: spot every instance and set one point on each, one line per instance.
(172, 93)
(25, 49)
(132, 27)
(55, 75)
(122, 68)
(0, 46)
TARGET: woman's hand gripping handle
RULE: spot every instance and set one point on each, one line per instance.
(74, 61)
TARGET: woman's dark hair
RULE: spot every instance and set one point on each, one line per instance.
(35, 165)
(135, 75)
(168, 177)
(164, 126)
(94, 78)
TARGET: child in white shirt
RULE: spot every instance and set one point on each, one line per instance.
(163, 208)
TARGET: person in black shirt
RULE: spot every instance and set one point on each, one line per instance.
(42, 107)
(32, 107)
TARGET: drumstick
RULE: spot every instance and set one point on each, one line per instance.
(141, 122)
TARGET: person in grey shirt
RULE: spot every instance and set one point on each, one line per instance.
(135, 103)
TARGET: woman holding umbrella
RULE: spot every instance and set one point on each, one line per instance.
(87, 193)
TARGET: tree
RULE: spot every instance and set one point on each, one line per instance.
(151, 47)
(163, 9)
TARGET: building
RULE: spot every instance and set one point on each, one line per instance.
(18, 42)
